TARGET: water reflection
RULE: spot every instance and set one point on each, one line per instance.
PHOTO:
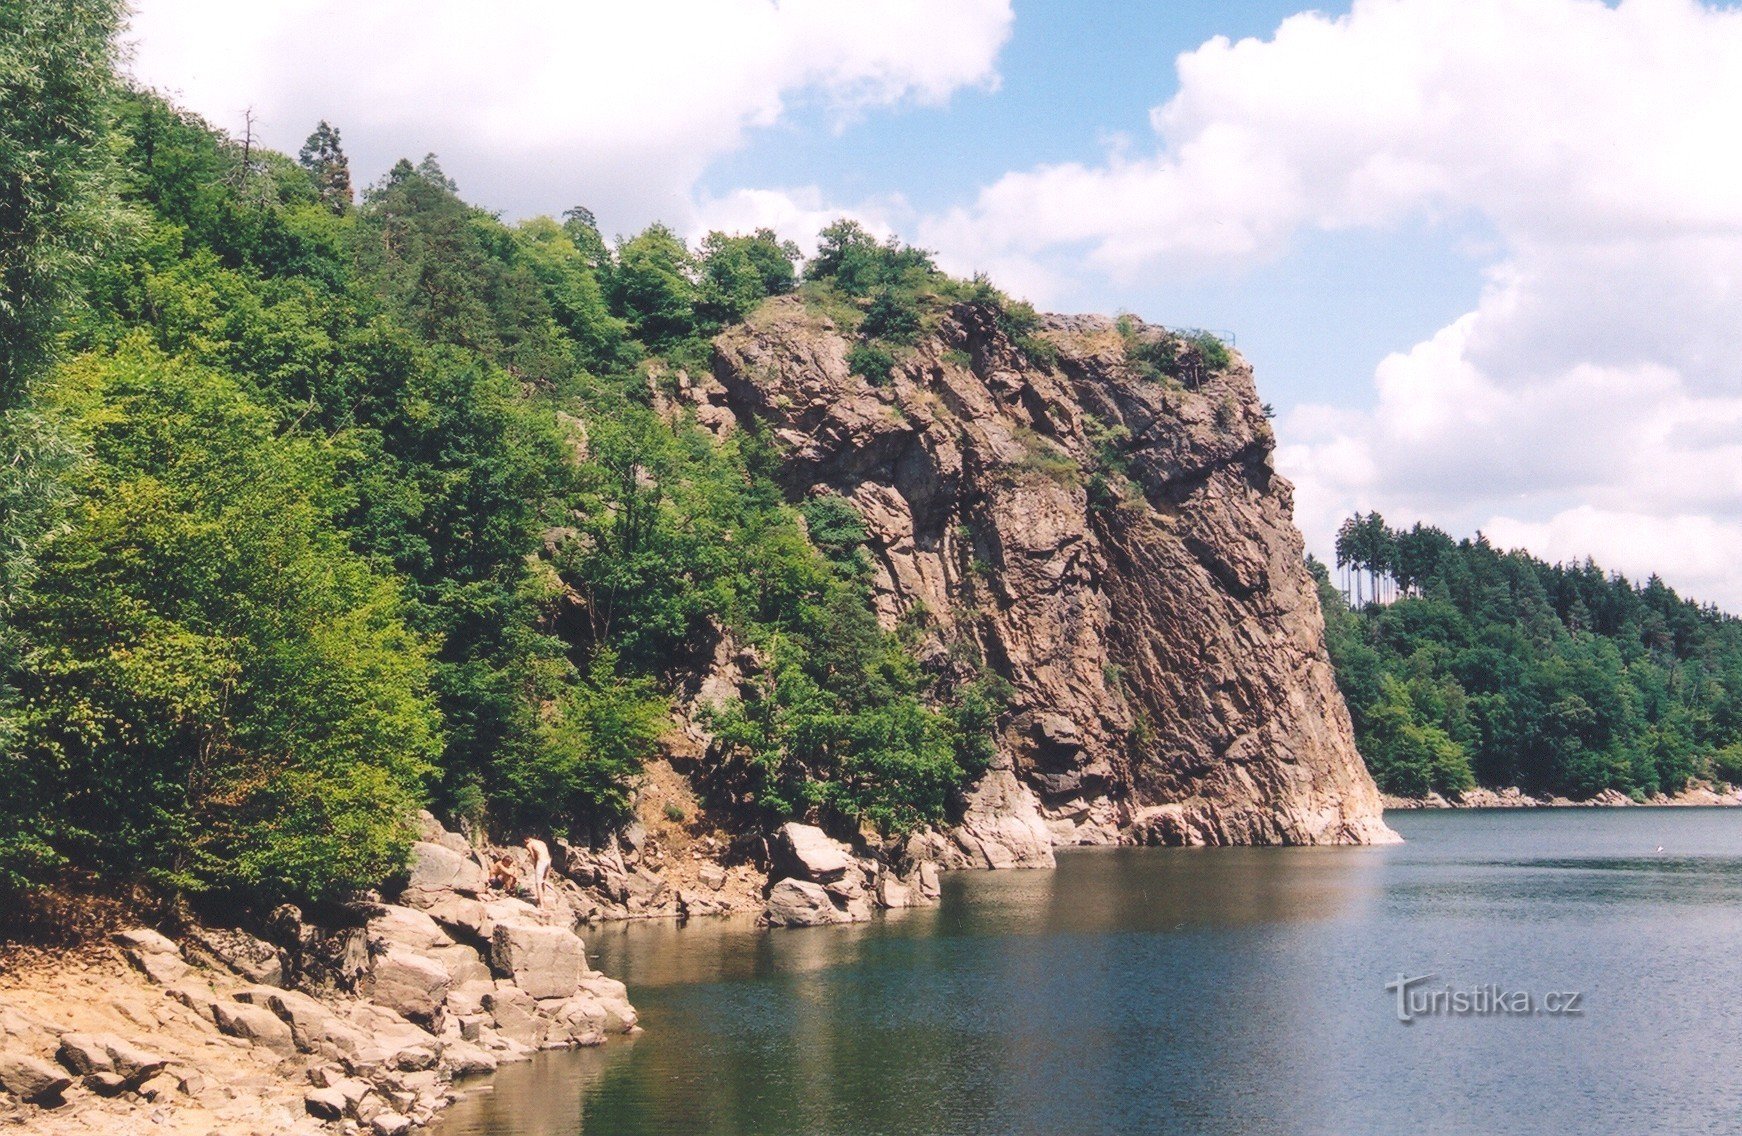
(1230, 991)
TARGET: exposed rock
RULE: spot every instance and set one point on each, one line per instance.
(546, 962)
(437, 872)
(390, 1124)
(254, 1024)
(612, 999)
(254, 959)
(328, 1104)
(406, 927)
(105, 1084)
(1001, 826)
(86, 1054)
(801, 903)
(808, 853)
(516, 1016)
(146, 941)
(134, 1063)
(160, 1087)
(408, 983)
(1117, 547)
(162, 968)
(32, 1080)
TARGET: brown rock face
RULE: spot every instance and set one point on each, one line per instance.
(1117, 546)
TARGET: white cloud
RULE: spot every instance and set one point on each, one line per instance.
(1591, 401)
(799, 214)
(535, 105)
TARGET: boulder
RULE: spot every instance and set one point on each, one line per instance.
(86, 1054)
(161, 1087)
(712, 876)
(390, 1124)
(254, 1024)
(465, 1059)
(163, 969)
(146, 941)
(313, 1026)
(31, 1079)
(516, 1016)
(105, 1084)
(612, 998)
(437, 872)
(577, 1021)
(801, 903)
(546, 962)
(461, 917)
(893, 893)
(324, 1104)
(809, 854)
(692, 903)
(133, 1062)
(462, 964)
(408, 983)
(406, 927)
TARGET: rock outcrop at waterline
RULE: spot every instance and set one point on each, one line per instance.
(358, 1024)
(1115, 543)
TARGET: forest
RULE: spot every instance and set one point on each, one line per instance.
(1466, 665)
(323, 502)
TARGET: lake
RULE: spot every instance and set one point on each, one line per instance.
(1235, 991)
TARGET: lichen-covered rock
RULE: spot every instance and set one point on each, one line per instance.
(1118, 546)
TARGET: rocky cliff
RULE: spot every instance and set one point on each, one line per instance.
(1113, 540)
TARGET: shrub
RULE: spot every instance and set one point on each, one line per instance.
(871, 362)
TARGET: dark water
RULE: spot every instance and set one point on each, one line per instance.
(1193, 991)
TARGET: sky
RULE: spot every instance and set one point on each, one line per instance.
(1485, 255)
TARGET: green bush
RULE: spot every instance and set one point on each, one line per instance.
(224, 694)
(871, 362)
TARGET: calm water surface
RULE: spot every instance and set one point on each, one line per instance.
(1200, 991)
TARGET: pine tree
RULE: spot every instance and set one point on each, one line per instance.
(324, 158)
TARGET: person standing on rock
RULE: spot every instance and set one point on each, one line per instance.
(540, 867)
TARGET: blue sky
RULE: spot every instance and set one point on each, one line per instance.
(1075, 79)
(1481, 252)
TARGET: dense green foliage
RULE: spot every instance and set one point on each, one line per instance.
(1497, 669)
(55, 83)
(365, 503)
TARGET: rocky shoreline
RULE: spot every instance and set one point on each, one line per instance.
(1698, 794)
(367, 1022)
(363, 1023)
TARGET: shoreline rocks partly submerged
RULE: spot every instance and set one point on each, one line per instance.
(1698, 794)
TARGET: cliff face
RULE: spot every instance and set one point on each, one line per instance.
(1116, 545)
